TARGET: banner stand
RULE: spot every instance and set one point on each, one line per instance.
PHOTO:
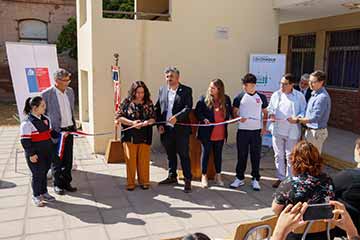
(31, 66)
(114, 150)
(268, 69)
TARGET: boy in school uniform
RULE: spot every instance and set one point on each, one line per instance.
(250, 106)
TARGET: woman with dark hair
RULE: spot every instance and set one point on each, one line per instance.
(308, 183)
(196, 236)
(137, 110)
(35, 138)
(215, 107)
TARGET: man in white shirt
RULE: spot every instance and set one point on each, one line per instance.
(173, 106)
(250, 105)
(60, 101)
(285, 104)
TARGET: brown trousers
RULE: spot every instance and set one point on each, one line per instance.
(137, 157)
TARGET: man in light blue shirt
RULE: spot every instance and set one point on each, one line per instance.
(317, 112)
(285, 104)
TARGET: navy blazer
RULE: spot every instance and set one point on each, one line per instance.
(203, 112)
(307, 94)
(182, 106)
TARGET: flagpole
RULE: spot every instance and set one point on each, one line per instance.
(114, 151)
(116, 56)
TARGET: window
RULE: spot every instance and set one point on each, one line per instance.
(155, 10)
(83, 12)
(84, 96)
(302, 54)
(343, 58)
(32, 30)
(279, 45)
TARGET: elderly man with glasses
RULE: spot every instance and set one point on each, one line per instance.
(285, 104)
(60, 101)
(304, 86)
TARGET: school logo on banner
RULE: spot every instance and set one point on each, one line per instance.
(38, 79)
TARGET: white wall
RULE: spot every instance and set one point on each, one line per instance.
(188, 42)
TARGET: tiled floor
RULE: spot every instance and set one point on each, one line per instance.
(102, 209)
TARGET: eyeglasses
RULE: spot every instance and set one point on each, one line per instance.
(312, 82)
(284, 84)
(66, 81)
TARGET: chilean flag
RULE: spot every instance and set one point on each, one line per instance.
(61, 145)
(37, 79)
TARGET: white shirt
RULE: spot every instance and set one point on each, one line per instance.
(171, 99)
(251, 108)
(284, 106)
(284, 111)
(65, 109)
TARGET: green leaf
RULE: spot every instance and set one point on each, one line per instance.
(67, 39)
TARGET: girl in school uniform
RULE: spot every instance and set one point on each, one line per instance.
(39, 149)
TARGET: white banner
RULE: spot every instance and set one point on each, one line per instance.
(268, 69)
(32, 66)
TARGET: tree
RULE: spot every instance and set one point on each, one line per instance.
(67, 39)
(118, 5)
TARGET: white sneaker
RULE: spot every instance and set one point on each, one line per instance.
(237, 183)
(38, 201)
(204, 181)
(218, 179)
(255, 185)
(49, 174)
(47, 197)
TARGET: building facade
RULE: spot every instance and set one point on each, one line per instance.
(204, 39)
(331, 44)
(32, 21)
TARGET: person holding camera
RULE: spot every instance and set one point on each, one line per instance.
(292, 217)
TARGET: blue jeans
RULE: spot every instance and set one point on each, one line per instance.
(206, 147)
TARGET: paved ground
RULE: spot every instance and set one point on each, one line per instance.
(343, 151)
(102, 209)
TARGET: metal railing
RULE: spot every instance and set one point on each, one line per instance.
(138, 14)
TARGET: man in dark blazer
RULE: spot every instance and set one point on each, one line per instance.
(60, 101)
(174, 105)
(304, 86)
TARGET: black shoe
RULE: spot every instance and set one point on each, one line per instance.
(59, 191)
(187, 187)
(169, 180)
(276, 184)
(145, 187)
(70, 188)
